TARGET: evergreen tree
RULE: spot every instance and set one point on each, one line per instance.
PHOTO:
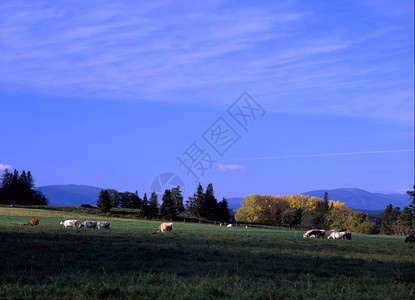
(137, 200)
(195, 204)
(169, 207)
(19, 189)
(104, 201)
(222, 211)
(405, 219)
(209, 204)
(178, 198)
(412, 196)
(326, 202)
(153, 206)
(145, 206)
(387, 220)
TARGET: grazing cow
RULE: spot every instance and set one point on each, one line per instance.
(314, 233)
(340, 235)
(347, 235)
(103, 224)
(410, 239)
(89, 224)
(69, 223)
(33, 222)
(229, 225)
(165, 227)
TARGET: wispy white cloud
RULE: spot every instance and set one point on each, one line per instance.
(4, 167)
(226, 168)
(196, 52)
(322, 155)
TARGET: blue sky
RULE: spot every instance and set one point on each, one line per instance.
(113, 94)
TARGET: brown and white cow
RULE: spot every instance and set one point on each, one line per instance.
(69, 223)
(88, 224)
(165, 227)
(314, 233)
(33, 222)
(103, 224)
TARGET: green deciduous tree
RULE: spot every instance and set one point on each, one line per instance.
(130, 200)
(291, 216)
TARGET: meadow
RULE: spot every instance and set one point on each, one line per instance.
(196, 261)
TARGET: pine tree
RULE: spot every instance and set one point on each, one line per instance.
(169, 207)
(195, 204)
(136, 200)
(104, 201)
(387, 220)
(145, 206)
(412, 196)
(209, 204)
(405, 219)
(222, 211)
(178, 198)
(326, 202)
(153, 206)
(19, 189)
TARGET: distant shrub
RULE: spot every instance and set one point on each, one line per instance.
(368, 228)
(86, 206)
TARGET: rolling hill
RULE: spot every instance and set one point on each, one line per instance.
(361, 199)
(75, 195)
(70, 194)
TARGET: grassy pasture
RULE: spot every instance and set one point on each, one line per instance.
(194, 262)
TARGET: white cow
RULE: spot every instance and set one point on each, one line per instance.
(165, 227)
(69, 223)
(314, 233)
(229, 225)
(344, 235)
(103, 224)
(89, 224)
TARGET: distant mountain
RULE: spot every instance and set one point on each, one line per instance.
(234, 202)
(75, 195)
(361, 199)
(70, 194)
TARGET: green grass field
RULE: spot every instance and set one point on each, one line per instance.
(194, 262)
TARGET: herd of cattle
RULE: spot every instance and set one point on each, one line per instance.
(164, 227)
(320, 233)
(86, 224)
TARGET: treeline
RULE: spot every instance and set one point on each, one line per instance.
(19, 189)
(204, 205)
(201, 205)
(303, 211)
(395, 221)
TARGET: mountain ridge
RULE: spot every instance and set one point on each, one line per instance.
(75, 195)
